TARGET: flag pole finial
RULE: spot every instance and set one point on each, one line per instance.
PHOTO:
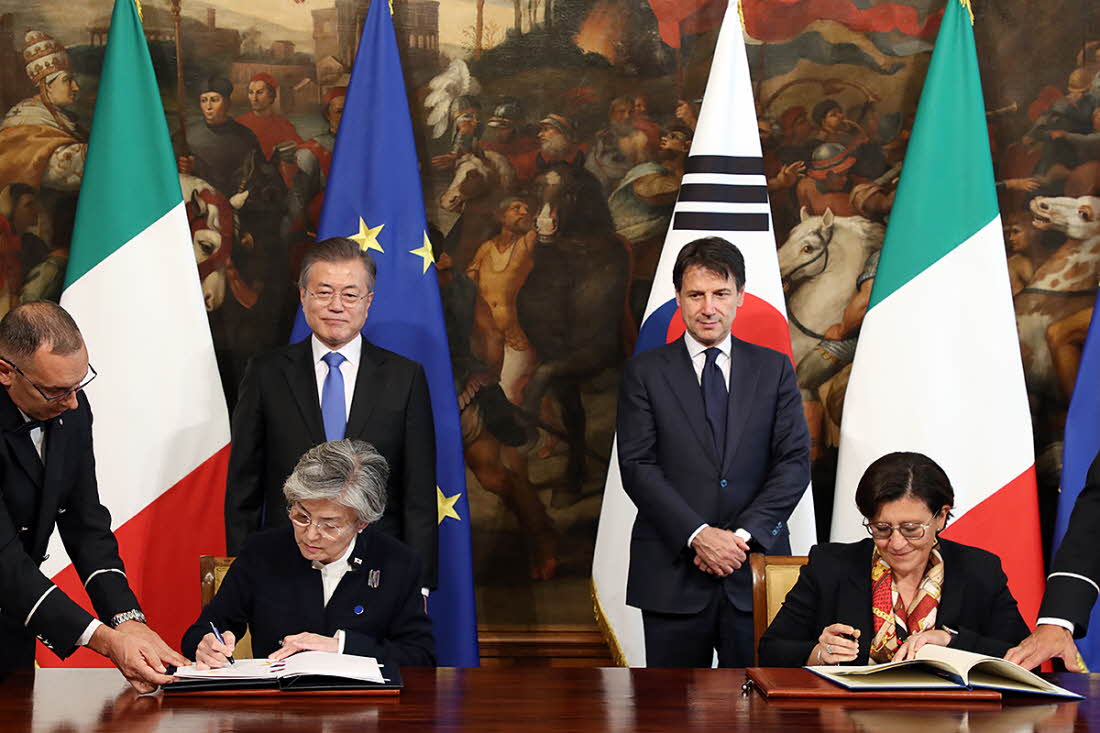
(970, 10)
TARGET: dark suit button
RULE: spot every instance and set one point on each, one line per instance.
(723, 483)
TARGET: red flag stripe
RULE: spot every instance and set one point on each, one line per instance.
(161, 547)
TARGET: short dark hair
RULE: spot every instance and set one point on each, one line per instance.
(218, 84)
(30, 326)
(711, 253)
(336, 249)
(822, 109)
(681, 128)
(898, 475)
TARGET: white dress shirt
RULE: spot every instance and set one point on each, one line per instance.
(352, 352)
(698, 354)
(331, 575)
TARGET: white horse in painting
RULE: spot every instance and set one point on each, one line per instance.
(820, 262)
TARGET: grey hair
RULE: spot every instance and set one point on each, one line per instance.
(336, 249)
(348, 472)
(30, 326)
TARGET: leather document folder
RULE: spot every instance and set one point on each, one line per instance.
(796, 682)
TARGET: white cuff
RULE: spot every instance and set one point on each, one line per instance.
(1049, 621)
(743, 534)
(87, 635)
(424, 592)
(340, 641)
(696, 533)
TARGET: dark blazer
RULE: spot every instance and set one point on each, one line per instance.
(33, 499)
(670, 469)
(275, 592)
(835, 587)
(278, 418)
(1070, 595)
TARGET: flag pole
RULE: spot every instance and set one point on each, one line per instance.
(180, 94)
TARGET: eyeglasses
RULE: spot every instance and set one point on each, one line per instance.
(350, 300)
(328, 530)
(92, 374)
(908, 530)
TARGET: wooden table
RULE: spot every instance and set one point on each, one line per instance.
(518, 699)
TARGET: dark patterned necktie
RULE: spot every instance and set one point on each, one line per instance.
(715, 399)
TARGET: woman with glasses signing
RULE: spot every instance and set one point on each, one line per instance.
(329, 582)
(885, 597)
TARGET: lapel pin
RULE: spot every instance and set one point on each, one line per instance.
(374, 578)
(357, 561)
(358, 610)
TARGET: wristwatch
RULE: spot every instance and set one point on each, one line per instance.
(132, 615)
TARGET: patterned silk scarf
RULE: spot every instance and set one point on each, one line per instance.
(893, 621)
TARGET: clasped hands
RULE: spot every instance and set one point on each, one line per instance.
(212, 654)
(719, 551)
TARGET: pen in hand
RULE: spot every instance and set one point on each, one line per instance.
(218, 636)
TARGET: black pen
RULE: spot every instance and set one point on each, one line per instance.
(218, 636)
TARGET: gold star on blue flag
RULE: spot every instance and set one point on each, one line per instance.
(375, 178)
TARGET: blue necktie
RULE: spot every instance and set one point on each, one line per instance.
(333, 412)
(715, 399)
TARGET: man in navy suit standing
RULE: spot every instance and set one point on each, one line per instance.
(714, 451)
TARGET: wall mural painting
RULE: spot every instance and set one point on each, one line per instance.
(552, 137)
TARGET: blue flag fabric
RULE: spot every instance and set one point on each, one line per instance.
(374, 197)
(1082, 442)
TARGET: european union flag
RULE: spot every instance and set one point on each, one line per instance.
(1082, 442)
(374, 197)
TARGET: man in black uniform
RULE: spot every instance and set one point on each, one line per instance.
(1072, 586)
(47, 478)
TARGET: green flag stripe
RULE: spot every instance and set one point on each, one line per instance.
(130, 180)
(946, 192)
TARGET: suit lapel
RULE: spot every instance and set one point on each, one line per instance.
(301, 376)
(685, 386)
(951, 598)
(349, 591)
(20, 444)
(371, 359)
(56, 446)
(744, 374)
(854, 607)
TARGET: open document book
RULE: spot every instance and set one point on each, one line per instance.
(305, 671)
(942, 667)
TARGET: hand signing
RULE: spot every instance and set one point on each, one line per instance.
(834, 645)
(212, 654)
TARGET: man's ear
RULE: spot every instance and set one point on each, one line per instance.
(7, 374)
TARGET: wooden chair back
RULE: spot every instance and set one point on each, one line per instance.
(212, 570)
(773, 576)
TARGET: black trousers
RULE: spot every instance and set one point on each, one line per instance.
(689, 639)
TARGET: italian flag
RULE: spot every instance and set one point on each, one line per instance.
(937, 369)
(161, 428)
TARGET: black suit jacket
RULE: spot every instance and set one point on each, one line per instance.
(278, 418)
(835, 587)
(671, 471)
(33, 500)
(275, 592)
(1070, 595)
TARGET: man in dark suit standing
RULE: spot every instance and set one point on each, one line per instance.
(333, 385)
(714, 452)
(1072, 586)
(47, 479)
